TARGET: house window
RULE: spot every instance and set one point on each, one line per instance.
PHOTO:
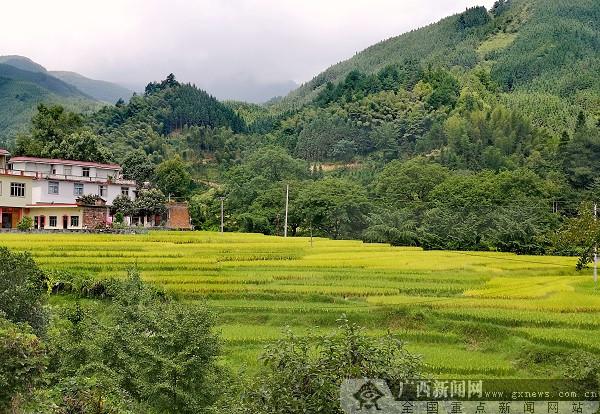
(78, 189)
(17, 189)
(125, 191)
(102, 190)
(53, 170)
(36, 221)
(67, 169)
(85, 171)
(52, 187)
(74, 221)
(52, 221)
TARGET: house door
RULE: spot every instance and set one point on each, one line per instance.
(65, 222)
(6, 220)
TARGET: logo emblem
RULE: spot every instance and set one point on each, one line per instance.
(368, 395)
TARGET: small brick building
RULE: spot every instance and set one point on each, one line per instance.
(95, 215)
(178, 216)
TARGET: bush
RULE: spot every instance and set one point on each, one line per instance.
(146, 349)
(25, 224)
(301, 377)
(23, 359)
(88, 199)
(119, 218)
(22, 290)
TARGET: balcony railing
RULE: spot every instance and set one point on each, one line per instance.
(47, 176)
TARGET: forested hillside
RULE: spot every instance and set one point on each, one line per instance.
(543, 55)
(24, 84)
(479, 132)
(21, 90)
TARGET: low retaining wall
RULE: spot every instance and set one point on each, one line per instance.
(132, 230)
(128, 230)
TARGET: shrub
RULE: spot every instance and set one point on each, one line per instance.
(23, 361)
(25, 224)
(22, 289)
(88, 199)
(301, 377)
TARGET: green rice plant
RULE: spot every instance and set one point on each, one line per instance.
(258, 284)
(570, 338)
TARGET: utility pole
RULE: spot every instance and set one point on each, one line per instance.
(222, 200)
(287, 202)
(595, 249)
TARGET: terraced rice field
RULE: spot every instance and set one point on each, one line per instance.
(466, 313)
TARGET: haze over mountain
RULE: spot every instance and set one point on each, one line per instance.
(237, 49)
(24, 84)
(100, 90)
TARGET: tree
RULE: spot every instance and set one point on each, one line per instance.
(123, 204)
(138, 166)
(82, 146)
(205, 210)
(151, 202)
(58, 133)
(173, 177)
(580, 155)
(396, 227)
(385, 139)
(52, 124)
(334, 206)
(343, 150)
(580, 235)
(304, 374)
(23, 290)
(404, 182)
(317, 140)
(274, 164)
(446, 89)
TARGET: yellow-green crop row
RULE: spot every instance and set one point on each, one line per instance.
(259, 283)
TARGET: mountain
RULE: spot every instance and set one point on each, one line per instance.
(22, 62)
(22, 90)
(41, 79)
(97, 89)
(24, 84)
(543, 54)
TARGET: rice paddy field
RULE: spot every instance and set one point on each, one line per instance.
(466, 313)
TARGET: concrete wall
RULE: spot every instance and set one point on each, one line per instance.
(61, 169)
(66, 194)
(5, 197)
(57, 212)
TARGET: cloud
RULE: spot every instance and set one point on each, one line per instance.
(207, 42)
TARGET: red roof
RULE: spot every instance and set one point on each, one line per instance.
(4, 152)
(65, 162)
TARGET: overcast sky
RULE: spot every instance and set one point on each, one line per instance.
(230, 47)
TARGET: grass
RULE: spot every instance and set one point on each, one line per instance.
(466, 313)
(497, 42)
